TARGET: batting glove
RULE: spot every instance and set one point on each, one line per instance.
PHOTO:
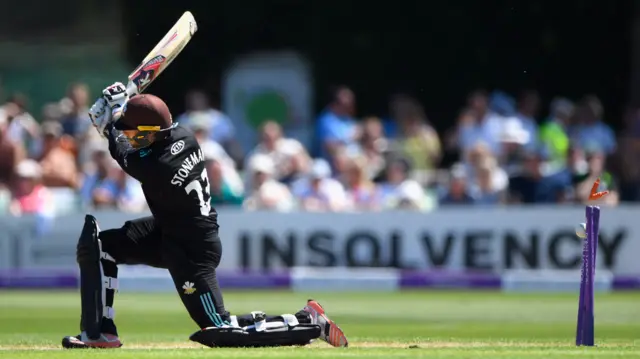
(100, 115)
(116, 97)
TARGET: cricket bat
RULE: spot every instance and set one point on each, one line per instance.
(163, 54)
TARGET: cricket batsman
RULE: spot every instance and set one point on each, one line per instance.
(181, 236)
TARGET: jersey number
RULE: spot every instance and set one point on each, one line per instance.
(198, 185)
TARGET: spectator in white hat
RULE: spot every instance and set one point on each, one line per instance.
(514, 139)
(266, 192)
(318, 192)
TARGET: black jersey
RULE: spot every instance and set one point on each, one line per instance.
(173, 177)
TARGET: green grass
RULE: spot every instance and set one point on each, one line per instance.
(451, 324)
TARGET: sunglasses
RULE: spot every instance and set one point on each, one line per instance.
(141, 136)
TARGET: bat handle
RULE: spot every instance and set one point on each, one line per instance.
(132, 89)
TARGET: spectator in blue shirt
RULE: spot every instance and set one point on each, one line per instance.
(95, 174)
(76, 122)
(119, 191)
(535, 186)
(590, 132)
(458, 191)
(336, 126)
(489, 127)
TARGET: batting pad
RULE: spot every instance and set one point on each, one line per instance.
(98, 277)
(231, 337)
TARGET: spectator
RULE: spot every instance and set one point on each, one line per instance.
(532, 185)
(225, 189)
(554, 132)
(267, 193)
(75, 121)
(488, 125)
(514, 140)
(125, 192)
(458, 191)
(373, 147)
(72, 113)
(52, 111)
(288, 155)
(95, 175)
(575, 170)
(213, 151)
(478, 157)
(198, 124)
(476, 110)
(221, 129)
(22, 127)
(105, 185)
(478, 104)
(11, 153)
(590, 132)
(528, 107)
(596, 169)
(502, 104)
(397, 106)
(484, 188)
(336, 126)
(399, 191)
(340, 164)
(362, 193)
(418, 141)
(29, 195)
(466, 120)
(318, 192)
(58, 164)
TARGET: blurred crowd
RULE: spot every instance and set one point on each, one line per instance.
(502, 150)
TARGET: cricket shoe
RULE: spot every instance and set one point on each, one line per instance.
(329, 331)
(81, 341)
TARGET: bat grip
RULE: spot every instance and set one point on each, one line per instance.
(132, 89)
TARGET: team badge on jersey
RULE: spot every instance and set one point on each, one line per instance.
(188, 288)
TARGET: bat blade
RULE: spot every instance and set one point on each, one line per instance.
(162, 54)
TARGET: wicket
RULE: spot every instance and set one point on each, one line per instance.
(585, 332)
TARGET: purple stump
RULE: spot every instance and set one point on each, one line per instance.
(585, 328)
